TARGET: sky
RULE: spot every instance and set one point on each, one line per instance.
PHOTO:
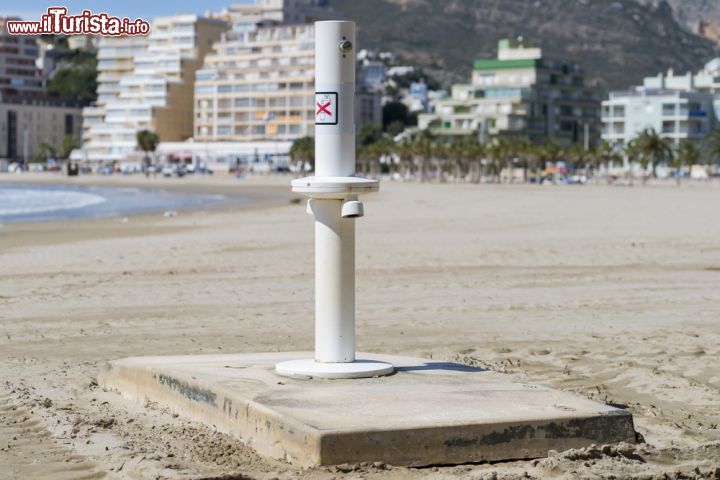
(145, 9)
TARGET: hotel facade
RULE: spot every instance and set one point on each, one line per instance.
(146, 83)
(259, 85)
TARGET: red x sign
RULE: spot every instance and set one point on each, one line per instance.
(323, 109)
(327, 108)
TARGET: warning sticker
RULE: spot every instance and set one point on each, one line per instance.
(326, 108)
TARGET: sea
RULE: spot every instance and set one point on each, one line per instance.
(34, 203)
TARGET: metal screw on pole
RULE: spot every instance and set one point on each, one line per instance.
(333, 193)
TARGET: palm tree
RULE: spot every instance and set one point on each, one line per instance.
(609, 156)
(422, 151)
(712, 146)
(653, 150)
(634, 154)
(47, 150)
(405, 152)
(510, 149)
(303, 151)
(438, 153)
(465, 154)
(533, 154)
(493, 157)
(593, 158)
(688, 154)
(456, 152)
(372, 153)
(576, 157)
(474, 153)
(522, 150)
(147, 141)
(364, 158)
(67, 145)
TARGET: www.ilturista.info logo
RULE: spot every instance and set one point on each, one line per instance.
(58, 22)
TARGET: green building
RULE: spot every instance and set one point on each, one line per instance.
(520, 94)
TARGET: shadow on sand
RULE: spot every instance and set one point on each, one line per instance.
(447, 366)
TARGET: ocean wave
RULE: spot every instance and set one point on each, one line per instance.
(30, 201)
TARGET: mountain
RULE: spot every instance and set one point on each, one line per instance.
(618, 42)
(700, 16)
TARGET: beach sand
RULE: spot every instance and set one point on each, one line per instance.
(610, 292)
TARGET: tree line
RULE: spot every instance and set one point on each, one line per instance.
(424, 157)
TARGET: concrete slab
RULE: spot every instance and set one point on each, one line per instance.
(426, 413)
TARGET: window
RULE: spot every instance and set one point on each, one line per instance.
(205, 89)
(206, 75)
(244, 102)
(69, 124)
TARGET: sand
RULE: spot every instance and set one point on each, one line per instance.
(610, 292)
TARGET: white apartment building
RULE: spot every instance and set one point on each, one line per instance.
(115, 61)
(259, 85)
(146, 83)
(673, 114)
(705, 80)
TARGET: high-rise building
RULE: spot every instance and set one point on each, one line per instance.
(258, 84)
(147, 83)
(115, 61)
(673, 114)
(520, 94)
(18, 72)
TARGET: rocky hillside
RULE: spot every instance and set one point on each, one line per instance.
(618, 41)
(700, 16)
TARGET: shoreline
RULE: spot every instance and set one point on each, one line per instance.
(210, 184)
(258, 195)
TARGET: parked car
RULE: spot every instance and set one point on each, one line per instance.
(105, 169)
(174, 170)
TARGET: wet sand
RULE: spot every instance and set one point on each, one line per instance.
(610, 292)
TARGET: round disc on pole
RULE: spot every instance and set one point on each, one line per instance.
(310, 368)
